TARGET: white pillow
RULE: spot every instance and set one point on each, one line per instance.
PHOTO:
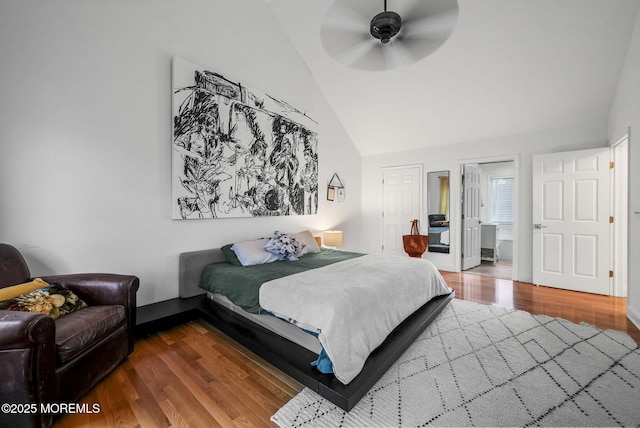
(253, 253)
(310, 244)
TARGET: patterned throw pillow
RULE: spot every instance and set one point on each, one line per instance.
(54, 300)
(284, 246)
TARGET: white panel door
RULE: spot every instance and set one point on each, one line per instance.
(571, 231)
(402, 198)
(471, 216)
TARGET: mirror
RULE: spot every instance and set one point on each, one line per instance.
(438, 211)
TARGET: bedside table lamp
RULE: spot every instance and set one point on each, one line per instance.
(332, 238)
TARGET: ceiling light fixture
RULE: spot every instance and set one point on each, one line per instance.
(385, 25)
(389, 41)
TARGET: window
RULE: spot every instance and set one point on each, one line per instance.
(502, 200)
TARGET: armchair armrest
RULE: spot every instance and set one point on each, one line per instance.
(27, 361)
(19, 330)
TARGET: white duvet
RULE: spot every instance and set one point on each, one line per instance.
(354, 304)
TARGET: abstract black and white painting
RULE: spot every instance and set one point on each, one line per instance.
(238, 152)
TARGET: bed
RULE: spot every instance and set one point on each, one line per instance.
(292, 341)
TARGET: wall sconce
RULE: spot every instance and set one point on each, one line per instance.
(335, 189)
(332, 238)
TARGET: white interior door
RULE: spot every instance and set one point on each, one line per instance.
(619, 255)
(571, 208)
(470, 216)
(402, 195)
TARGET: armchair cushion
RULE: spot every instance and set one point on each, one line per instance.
(82, 329)
(54, 300)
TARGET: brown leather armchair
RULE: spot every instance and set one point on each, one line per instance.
(43, 360)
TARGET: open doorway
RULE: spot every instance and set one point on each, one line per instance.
(496, 208)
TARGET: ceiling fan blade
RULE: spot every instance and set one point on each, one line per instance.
(337, 40)
(431, 12)
(366, 56)
(426, 25)
(344, 28)
(356, 14)
(426, 31)
(420, 48)
(437, 30)
(396, 54)
(432, 28)
(364, 9)
(342, 24)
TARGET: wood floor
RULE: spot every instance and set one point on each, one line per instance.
(194, 376)
(501, 269)
(604, 312)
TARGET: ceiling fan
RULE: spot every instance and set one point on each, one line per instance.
(415, 29)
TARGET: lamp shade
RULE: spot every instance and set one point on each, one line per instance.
(332, 238)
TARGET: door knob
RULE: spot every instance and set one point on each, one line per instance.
(539, 226)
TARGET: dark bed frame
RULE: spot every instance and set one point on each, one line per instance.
(293, 359)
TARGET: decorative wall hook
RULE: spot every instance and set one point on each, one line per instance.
(335, 189)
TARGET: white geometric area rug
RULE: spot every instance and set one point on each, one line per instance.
(479, 365)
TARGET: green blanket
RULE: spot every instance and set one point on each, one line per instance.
(241, 284)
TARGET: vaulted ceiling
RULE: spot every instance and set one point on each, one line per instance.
(510, 67)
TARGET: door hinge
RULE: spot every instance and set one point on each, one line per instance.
(610, 274)
(611, 165)
(611, 219)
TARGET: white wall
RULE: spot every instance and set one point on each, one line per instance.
(85, 131)
(625, 118)
(448, 157)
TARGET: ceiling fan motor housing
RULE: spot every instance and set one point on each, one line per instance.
(385, 25)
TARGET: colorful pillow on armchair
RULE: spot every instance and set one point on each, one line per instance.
(54, 300)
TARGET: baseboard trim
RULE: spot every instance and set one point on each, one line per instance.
(633, 315)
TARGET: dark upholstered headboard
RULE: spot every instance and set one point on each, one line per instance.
(191, 264)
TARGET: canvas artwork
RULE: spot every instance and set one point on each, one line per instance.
(238, 152)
